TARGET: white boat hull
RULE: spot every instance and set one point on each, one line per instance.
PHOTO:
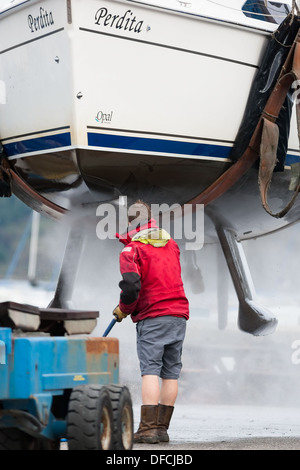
(174, 78)
(100, 98)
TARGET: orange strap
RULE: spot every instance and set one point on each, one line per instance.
(270, 133)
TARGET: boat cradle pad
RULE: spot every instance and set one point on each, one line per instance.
(52, 320)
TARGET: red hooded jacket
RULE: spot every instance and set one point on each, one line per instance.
(151, 272)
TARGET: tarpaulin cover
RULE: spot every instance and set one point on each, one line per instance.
(273, 59)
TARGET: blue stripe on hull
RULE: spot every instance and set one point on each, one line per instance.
(290, 159)
(39, 144)
(157, 145)
(129, 143)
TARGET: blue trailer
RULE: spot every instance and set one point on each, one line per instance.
(56, 385)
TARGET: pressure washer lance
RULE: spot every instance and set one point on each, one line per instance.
(112, 323)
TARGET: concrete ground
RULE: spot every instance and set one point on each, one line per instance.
(230, 428)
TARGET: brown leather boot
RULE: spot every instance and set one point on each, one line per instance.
(147, 432)
(163, 420)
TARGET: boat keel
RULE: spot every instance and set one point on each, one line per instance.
(253, 318)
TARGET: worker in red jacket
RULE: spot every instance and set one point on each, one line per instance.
(152, 293)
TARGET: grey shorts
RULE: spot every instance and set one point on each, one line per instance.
(159, 345)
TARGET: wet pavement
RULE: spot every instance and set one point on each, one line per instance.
(230, 428)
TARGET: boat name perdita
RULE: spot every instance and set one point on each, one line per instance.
(41, 21)
(126, 22)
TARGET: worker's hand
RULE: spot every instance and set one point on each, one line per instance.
(118, 314)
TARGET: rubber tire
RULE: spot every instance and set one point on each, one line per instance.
(122, 417)
(90, 418)
(13, 439)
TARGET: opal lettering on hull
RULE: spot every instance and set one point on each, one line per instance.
(40, 21)
(126, 22)
(104, 117)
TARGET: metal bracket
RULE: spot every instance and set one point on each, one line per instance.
(5, 344)
(2, 353)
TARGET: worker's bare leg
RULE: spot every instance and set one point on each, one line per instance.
(150, 390)
(168, 392)
(152, 394)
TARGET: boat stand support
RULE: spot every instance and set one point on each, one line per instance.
(67, 276)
